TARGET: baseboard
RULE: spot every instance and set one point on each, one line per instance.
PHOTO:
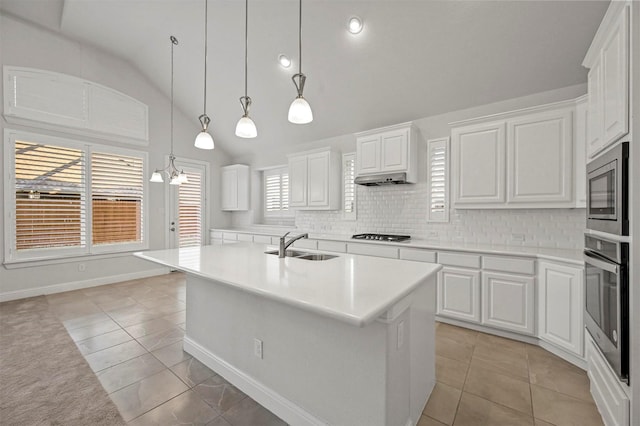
(559, 352)
(267, 397)
(77, 285)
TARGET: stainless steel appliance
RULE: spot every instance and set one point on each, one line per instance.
(608, 191)
(607, 300)
(381, 237)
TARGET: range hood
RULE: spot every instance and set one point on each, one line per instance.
(382, 179)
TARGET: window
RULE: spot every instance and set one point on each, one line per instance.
(276, 194)
(348, 186)
(437, 177)
(190, 210)
(66, 198)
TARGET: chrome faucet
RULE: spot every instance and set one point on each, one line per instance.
(284, 245)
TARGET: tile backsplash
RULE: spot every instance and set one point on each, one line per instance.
(402, 210)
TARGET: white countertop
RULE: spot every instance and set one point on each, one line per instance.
(562, 255)
(350, 288)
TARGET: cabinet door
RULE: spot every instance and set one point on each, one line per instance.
(560, 306)
(318, 180)
(298, 181)
(479, 164)
(368, 151)
(594, 106)
(229, 189)
(580, 159)
(458, 294)
(615, 81)
(540, 158)
(395, 153)
(508, 302)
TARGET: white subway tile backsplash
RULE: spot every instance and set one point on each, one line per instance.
(390, 209)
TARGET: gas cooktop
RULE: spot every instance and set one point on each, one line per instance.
(381, 237)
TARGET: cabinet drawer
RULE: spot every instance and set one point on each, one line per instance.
(509, 264)
(418, 255)
(265, 239)
(332, 246)
(459, 259)
(230, 236)
(245, 237)
(306, 244)
(373, 250)
(215, 235)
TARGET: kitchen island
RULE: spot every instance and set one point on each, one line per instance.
(344, 341)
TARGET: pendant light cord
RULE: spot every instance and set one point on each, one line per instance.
(300, 39)
(246, 42)
(206, 14)
(174, 41)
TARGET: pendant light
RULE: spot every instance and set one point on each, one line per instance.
(300, 111)
(204, 139)
(176, 177)
(246, 128)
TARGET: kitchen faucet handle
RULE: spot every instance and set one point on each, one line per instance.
(285, 235)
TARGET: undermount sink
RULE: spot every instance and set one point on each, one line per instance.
(317, 256)
(303, 255)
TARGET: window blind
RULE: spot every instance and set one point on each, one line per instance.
(117, 187)
(349, 187)
(190, 210)
(276, 192)
(437, 175)
(50, 199)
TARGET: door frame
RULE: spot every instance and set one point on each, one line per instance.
(168, 200)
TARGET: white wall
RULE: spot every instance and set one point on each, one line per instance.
(402, 209)
(23, 44)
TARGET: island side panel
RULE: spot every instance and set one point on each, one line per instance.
(334, 372)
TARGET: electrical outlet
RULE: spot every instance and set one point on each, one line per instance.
(257, 348)
(400, 334)
(82, 267)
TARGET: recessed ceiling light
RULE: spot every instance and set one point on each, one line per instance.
(355, 25)
(284, 61)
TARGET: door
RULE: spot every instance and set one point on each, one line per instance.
(459, 294)
(508, 302)
(298, 181)
(479, 163)
(560, 306)
(594, 120)
(187, 206)
(368, 155)
(318, 180)
(395, 153)
(540, 154)
(229, 189)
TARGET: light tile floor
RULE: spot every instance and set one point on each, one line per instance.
(131, 335)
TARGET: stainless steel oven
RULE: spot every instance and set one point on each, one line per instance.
(607, 191)
(607, 300)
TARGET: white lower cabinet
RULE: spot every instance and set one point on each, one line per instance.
(560, 306)
(607, 392)
(458, 293)
(508, 302)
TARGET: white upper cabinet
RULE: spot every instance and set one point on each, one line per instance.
(580, 150)
(608, 80)
(478, 162)
(62, 102)
(314, 180)
(519, 159)
(540, 158)
(387, 150)
(235, 187)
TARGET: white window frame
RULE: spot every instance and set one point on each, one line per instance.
(13, 256)
(352, 215)
(437, 216)
(282, 215)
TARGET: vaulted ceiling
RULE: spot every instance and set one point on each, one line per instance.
(413, 58)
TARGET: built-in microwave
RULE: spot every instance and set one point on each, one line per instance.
(607, 300)
(608, 191)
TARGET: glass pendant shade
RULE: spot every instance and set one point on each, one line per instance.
(182, 177)
(204, 140)
(300, 111)
(175, 180)
(246, 128)
(156, 177)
